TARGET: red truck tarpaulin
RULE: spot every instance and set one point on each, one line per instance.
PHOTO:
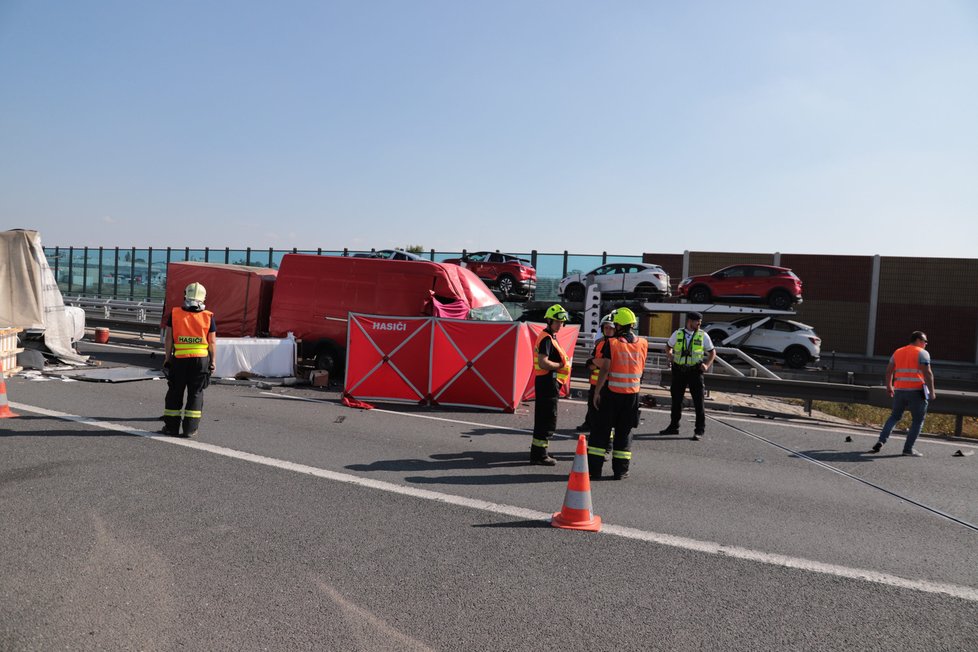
(387, 358)
(566, 337)
(438, 361)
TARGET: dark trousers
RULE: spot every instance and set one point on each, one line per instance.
(591, 417)
(618, 412)
(190, 376)
(691, 377)
(544, 413)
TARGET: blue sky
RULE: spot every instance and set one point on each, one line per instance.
(804, 127)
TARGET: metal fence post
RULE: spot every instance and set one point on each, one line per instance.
(227, 255)
(100, 274)
(71, 266)
(132, 274)
(149, 273)
(565, 264)
(115, 275)
(84, 289)
(57, 262)
(247, 255)
(207, 254)
(533, 258)
(874, 296)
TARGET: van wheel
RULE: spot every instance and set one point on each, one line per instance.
(779, 300)
(328, 359)
(574, 292)
(506, 284)
(796, 357)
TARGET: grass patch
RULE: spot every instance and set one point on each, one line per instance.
(875, 417)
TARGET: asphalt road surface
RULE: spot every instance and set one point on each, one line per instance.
(294, 523)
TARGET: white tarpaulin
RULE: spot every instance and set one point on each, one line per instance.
(29, 294)
(263, 356)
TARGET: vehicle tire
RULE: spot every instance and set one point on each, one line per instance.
(718, 336)
(700, 294)
(506, 284)
(779, 300)
(574, 292)
(647, 292)
(328, 358)
(796, 357)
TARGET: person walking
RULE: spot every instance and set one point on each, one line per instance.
(551, 368)
(607, 330)
(620, 359)
(691, 352)
(189, 346)
(910, 382)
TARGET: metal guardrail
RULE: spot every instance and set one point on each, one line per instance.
(766, 383)
(139, 316)
(657, 360)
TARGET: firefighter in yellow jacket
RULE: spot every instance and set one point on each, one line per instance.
(551, 368)
(620, 360)
(189, 357)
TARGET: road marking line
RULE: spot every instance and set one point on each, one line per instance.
(709, 547)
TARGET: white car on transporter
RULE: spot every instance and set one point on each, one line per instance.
(784, 339)
(641, 280)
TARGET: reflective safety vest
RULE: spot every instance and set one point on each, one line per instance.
(627, 364)
(190, 331)
(564, 372)
(906, 368)
(691, 356)
(594, 372)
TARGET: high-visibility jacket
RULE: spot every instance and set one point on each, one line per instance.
(694, 354)
(190, 331)
(907, 373)
(627, 364)
(563, 374)
(594, 372)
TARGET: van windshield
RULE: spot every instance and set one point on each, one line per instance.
(494, 312)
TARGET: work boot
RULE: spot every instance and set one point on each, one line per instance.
(190, 425)
(540, 457)
(594, 464)
(876, 447)
(171, 426)
(620, 469)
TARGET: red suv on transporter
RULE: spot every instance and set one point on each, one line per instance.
(777, 286)
(508, 274)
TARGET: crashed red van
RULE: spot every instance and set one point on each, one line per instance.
(239, 296)
(315, 294)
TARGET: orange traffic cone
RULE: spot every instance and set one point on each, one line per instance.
(576, 513)
(5, 412)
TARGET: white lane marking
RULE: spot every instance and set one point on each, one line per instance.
(709, 547)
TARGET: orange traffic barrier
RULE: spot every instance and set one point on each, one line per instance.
(576, 514)
(5, 412)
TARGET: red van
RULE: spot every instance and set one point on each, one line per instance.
(315, 294)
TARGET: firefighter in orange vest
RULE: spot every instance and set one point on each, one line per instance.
(910, 381)
(551, 368)
(189, 357)
(621, 361)
(590, 418)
